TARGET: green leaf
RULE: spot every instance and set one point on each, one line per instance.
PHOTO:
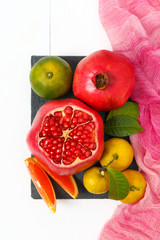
(122, 126)
(118, 184)
(128, 109)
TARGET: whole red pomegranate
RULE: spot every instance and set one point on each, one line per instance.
(66, 136)
(104, 80)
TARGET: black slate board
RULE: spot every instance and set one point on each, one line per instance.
(36, 103)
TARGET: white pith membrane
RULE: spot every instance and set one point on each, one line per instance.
(68, 135)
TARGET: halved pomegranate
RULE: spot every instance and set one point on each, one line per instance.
(66, 136)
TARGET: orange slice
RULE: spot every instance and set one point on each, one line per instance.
(68, 183)
(42, 183)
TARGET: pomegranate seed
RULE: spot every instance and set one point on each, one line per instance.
(59, 150)
(79, 114)
(83, 136)
(43, 134)
(82, 157)
(66, 162)
(68, 153)
(86, 140)
(88, 153)
(92, 125)
(78, 146)
(41, 143)
(58, 156)
(75, 137)
(80, 128)
(75, 113)
(80, 140)
(54, 148)
(86, 132)
(68, 110)
(52, 122)
(92, 140)
(49, 145)
(67, 147)
(72, 126)
(91, 134)
(85, 116)
(92, 146)
(72, 149)
(61, 121)
(89, 128)
(47, 141)
(55, 141)
(69, 139)
(77, 152)
(83, 150)
(59, 145)
(54, 134)
(59, 129)
(71, 134)
(79, 133)
(74, 120)
(65, 126)
(80, 120)
(46, 124)
(71, 159)
(45, 146)
(73, 144)
(52, 128)
(58, 114)
(86, 145)
(67, 119)
(57, 161)
(47, 118)
(74, 157)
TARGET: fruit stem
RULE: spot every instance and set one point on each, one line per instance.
(101, 81)
(102, 173)
(104, 168)
(133, 188)
(49, 74)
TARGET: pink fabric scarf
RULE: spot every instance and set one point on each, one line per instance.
(133, 27)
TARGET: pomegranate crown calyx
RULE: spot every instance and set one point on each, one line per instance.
(101, 80)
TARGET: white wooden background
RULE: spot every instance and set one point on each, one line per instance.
(40, 27)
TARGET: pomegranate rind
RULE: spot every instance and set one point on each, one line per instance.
(121, 82)
(33, 136)
(68, 183)
(42, 183)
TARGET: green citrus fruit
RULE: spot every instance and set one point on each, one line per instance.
(118, 154)
(95, 182)
(51, 77)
